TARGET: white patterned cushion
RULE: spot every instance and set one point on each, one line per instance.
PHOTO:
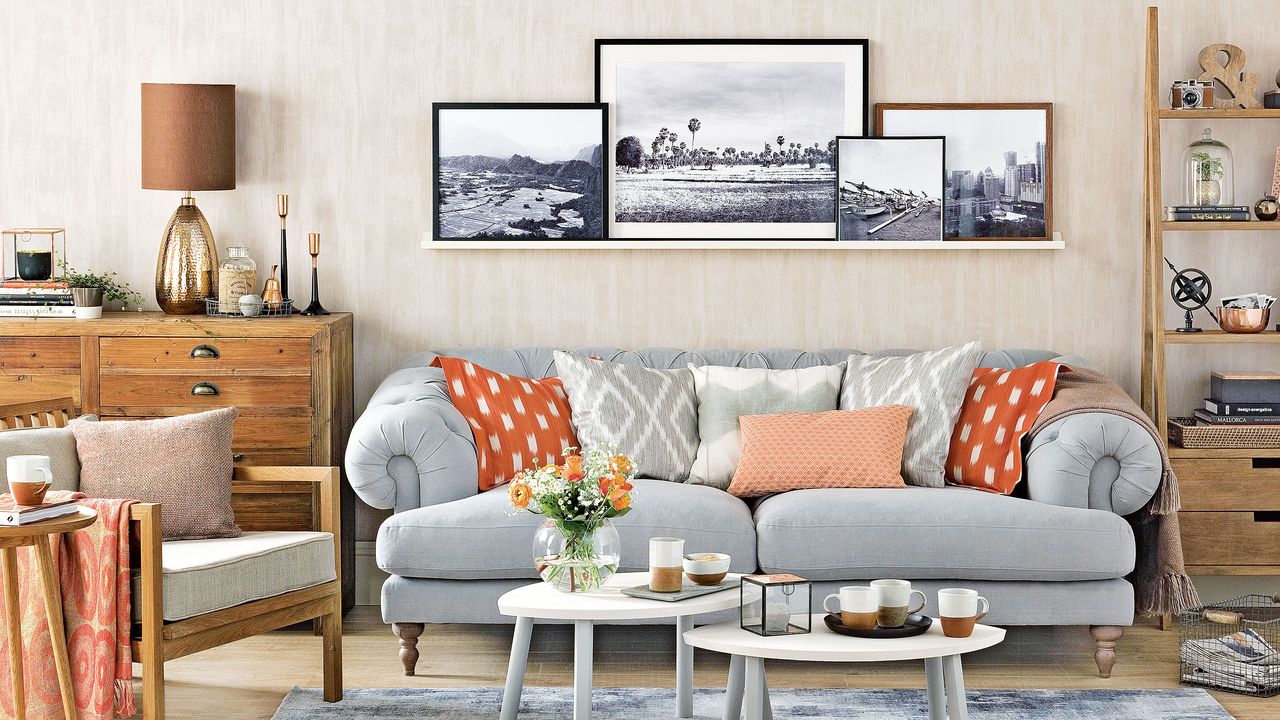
(932, 384)
(648, 414)
(727, 393)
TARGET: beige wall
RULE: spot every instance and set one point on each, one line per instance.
(334, 109)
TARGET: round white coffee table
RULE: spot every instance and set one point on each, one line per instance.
(940, 653)
(542, 601)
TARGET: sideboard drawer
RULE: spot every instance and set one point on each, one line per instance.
(124, 394)
(254, 430)
(206, 354)
(1231, 538)
(28, 354)
(1228, 483)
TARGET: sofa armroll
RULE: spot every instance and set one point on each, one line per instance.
(1094, 460)
(411, 448)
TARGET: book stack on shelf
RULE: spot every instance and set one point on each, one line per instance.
(29, 298)
(1239, 398)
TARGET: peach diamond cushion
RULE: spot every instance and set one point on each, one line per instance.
(999, 409)
(833, 449)
(516, 421)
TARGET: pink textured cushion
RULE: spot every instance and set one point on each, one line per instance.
(184, 463)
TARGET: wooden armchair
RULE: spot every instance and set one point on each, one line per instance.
(263, 499)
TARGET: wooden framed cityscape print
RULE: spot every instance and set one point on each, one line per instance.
(889, 189)
(999, 165)
(522, 172)
(728, 139)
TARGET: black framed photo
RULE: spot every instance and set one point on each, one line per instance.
(890, 189)
(999, 167)
(726, 138)
(520, 172)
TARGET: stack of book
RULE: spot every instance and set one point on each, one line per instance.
(1241, 398)
(28, 298)
(13, 514)
(1207, 213)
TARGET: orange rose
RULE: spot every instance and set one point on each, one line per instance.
(520, 495)
(573, 468)
(622, 503)
(622, 464)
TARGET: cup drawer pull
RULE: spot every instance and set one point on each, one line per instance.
(205, 351)
(237, 457)
(205, 388)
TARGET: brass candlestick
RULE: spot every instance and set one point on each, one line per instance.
(313, 247)
(282, 209)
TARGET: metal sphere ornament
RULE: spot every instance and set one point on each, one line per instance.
(1191, 290)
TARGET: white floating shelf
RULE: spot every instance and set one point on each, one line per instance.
(430, 244)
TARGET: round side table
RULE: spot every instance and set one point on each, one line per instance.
(40, 536)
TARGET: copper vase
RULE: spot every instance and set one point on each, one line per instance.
(187, 268)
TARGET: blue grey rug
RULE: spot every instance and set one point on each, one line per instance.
(825, 704)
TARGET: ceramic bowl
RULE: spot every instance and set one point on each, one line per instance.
(1243, 320)
(706, 568)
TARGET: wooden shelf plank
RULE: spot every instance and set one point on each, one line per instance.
(1177, 451)
(1218, 337)
(1233, 570)
(1220, 113)
(1220, 226)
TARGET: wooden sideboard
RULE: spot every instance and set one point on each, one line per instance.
(291, 379)
(1230, 513)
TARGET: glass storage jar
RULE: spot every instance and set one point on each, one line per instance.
(237, 276)
(1210, 172)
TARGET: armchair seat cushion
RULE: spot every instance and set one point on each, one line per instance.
(201, 576)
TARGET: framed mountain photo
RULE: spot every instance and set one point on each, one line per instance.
(522, 172)
(728, 139)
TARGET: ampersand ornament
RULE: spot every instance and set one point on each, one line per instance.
(1241, 87)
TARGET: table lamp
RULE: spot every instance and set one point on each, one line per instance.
(188, 144)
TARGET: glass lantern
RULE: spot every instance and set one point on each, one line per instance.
(775, 605)
(1210, 172)
(32, 254)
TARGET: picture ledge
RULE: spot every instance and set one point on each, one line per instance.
(703, 244)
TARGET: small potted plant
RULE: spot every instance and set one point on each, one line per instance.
(90, 290)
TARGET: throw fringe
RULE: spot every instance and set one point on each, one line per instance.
(125, 705)
(1167, 500)
(1168, 594)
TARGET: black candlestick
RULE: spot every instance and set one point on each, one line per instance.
(313, 247)
(282, 209)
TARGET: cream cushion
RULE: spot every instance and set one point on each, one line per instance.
(201, 576)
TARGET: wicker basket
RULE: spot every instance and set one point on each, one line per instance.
(1233, 645)
(1186, 433)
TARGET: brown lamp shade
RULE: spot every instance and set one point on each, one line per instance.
(188, 137)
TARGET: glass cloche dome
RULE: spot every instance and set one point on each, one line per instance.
(1210, 172)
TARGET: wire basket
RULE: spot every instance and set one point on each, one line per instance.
(212, 307)
(1233, 645)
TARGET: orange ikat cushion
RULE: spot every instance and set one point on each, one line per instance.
(514, 420)
(999, 409)
(832, 449)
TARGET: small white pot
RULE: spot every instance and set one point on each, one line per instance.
(89, 313)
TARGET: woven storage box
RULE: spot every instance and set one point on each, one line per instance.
(1233, 645)
(1186, 433)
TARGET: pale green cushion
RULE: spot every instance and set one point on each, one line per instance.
(58, 443)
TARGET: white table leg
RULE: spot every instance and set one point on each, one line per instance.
(734, 688)
(764, 687)
(957, 708)
(583, 638)
(684, 668)
(755, 693)
(935, 688)
(515, 668)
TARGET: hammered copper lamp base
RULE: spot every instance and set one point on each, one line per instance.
(187, 268)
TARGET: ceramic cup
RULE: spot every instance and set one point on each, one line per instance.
(29, 478)
(666, 564)
(856, 604)
(893, 600)
(958, 608)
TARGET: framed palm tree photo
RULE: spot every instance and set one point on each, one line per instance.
(728, 139)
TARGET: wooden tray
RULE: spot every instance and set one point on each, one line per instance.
(1186, 433)
(916, 625)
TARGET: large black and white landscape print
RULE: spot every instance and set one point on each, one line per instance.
(728, 139)
(889, 189)
(520, 171)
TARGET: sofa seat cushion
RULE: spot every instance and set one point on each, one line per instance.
(921, 533)
(475, 539)
(201, 576)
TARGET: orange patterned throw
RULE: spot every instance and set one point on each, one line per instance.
(514, 419)
(93, 565)
(999, 409)
(834, 449)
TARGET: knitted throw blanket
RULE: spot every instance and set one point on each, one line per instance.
(1159, 576)
(93, 571)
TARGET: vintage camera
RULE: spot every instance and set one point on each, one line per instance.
(1188, 94)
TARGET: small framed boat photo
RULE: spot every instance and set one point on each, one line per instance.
(890, 189)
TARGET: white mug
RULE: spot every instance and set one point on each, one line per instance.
(666, 564)
(962, 603)
(852, 598)
(894, 599)
(29, 478)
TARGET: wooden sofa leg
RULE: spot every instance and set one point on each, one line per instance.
(1105, 636)
(331, 627)
(408, 634)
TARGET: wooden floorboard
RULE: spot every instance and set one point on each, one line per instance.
(249, 678)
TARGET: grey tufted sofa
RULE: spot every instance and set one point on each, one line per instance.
(1057, 557)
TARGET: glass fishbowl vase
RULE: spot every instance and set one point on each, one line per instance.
(576, 558)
